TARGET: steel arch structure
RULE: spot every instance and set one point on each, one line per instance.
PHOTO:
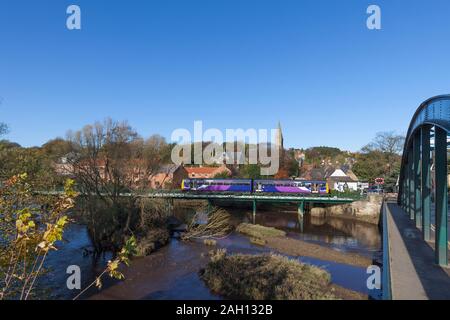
(416, 185)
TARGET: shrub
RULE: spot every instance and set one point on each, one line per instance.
(154, 239)
(266, 276)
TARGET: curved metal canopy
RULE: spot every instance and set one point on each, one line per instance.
(434, 112)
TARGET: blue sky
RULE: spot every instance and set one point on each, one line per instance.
(161, 65)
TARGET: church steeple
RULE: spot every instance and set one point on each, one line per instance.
(279, 137)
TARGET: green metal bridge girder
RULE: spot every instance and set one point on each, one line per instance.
(246, 198)
(228, 196)
(415, 176)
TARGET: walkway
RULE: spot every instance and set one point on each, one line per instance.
(413, 272)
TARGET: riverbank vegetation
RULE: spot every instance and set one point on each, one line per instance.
(270, 277)
(109, 159)
(30, 226)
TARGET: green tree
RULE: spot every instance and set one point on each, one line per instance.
(316, 155)
(250, 171)
(380, 159)
(56, 148)
(370, 165)
(222, 175)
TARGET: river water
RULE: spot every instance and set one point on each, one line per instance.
(173, 271)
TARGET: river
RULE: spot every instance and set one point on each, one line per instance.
(172, 271)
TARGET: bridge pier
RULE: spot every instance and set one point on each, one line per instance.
(301, 214)
(406, 191)
(412, 186)
(441, 238)
(169, 205)
(254, 211)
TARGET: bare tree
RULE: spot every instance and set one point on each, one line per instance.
(103, 158)
(152, 154)
(390, 144)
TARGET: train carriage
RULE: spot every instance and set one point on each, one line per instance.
(290, 186)
(255, 186)
(217, 185)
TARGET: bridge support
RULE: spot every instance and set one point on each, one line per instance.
(441, 252)
(405, 198)
(406, 192)
(417, 175)
(301, 214)
(169, 205)
(402, 192)
(411, 189)
(426, 183)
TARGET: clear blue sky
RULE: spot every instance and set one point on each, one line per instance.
(313, 65)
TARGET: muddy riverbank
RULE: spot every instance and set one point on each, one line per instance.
(294, 247)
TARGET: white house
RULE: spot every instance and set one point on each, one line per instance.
(340, 181)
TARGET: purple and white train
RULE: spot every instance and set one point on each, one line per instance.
(255, 186)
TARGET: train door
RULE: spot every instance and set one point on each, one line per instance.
(259, 187)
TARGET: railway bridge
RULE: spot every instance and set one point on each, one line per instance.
(253, 198)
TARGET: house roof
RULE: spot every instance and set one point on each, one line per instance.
(341, 179)
(168, 168)
(338, 173)
(317, 173)
(352, 175)
(203, 170)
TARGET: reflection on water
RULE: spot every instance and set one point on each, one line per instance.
(341, 234)
(71, 251)
(188, 287)
(172, 272)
